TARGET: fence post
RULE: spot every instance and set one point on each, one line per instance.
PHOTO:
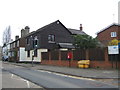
(49, 57)
(106, 55)
(59, 57)
(87, 54)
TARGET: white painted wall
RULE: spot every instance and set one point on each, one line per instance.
(22, 54)
(36, 59)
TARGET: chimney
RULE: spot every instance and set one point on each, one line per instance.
(81, 28)
(16, 37)
(22, 33)
(27, 29)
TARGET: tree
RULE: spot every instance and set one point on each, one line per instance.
(113, 42)
(85, 41)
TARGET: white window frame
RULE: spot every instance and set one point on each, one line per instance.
(113, 34)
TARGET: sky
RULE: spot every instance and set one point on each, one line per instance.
(94, 15)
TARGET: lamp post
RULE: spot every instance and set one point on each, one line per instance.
(34, 43)
(32, 57)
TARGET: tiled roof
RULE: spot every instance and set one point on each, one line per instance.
(76, 32)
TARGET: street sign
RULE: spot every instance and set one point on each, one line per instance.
(113, 49)
(119, 44)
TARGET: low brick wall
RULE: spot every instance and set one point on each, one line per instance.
(60, 63)
(73, 63)
(104, 64)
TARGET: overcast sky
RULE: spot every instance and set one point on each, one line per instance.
(94, 15)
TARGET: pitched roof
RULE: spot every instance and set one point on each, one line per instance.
(47, 26)
(113, 24)
(76, 32)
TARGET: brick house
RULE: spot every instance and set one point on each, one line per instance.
(17, 47)
(109, 33)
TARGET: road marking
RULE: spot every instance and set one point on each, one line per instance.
(61, 74)
(70, 76)
(11, 75)
(27, 82)
(43, 71)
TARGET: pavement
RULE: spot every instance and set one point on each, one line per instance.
(86, 73)
(13, 81)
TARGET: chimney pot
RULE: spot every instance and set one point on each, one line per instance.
(16, 37)
(81, 27)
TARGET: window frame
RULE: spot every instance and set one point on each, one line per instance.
(28, 41)
(51, 38)
(28, 53)
(113, 34)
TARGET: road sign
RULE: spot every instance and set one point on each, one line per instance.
(119, 44)
(113, 49)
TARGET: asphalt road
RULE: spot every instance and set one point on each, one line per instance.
(53, 80)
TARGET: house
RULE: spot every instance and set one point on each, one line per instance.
(5, 51)
(17, 47)
(49, 37)
(0, 53)
(109, 33)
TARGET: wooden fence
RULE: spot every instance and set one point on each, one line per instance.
(79, 54)
(98, 56)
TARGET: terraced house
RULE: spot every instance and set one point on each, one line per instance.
(17, 47)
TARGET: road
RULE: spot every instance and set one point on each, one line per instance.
(53, 80)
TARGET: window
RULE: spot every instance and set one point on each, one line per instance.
(27, 40)
(18, 53)
(51, 38)
(12, 54)
(28, 53)
(113, 34)
(35, 53)
(35, 42)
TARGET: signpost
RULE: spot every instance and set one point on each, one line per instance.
(113, 50)
(119, 45)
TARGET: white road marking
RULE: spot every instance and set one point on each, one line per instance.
(11, 75)
(27, 82)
